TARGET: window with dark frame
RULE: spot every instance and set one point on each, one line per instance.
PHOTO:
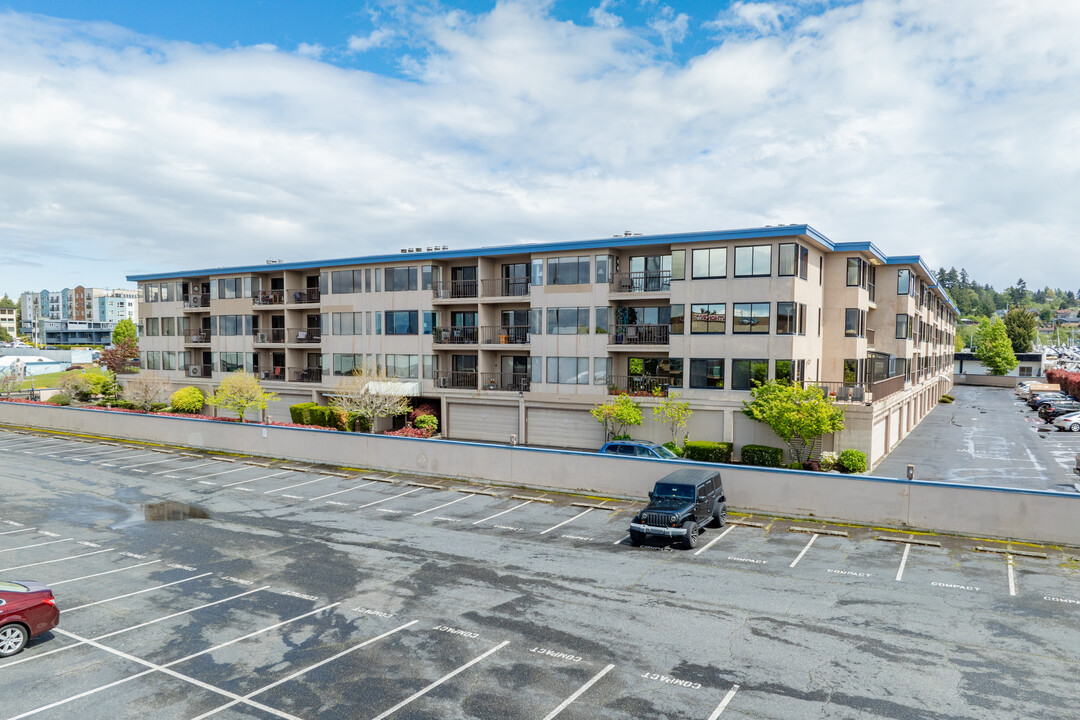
(753, 261)
(708, 263)
(786, 318)
(750, 318)
(708, 318)
(707, 373)
(569, 271)
(745, 373)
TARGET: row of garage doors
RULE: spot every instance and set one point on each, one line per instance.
(552, 427)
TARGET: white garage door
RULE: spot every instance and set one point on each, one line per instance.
(488, 423)
(877, 442)
(563, 428)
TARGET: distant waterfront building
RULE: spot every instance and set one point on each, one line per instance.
(7, 320)
(77, 316)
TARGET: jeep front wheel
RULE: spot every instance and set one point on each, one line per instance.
(636, 537)
(690, 539)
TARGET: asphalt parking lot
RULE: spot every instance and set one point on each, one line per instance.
(313, 592)
(989, 436)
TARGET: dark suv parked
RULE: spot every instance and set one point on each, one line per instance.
(1050, 410)
(680, 505)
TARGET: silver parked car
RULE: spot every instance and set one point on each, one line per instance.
(1069, 421)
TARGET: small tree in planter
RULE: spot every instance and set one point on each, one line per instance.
(617, 415)
(146, 389)
(799, 416)
(674, 413)
(369, 396)
(241, 393)
(9, 383)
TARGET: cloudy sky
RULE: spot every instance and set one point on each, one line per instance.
(142, 137)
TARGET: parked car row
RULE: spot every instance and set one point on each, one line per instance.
(1053, 406)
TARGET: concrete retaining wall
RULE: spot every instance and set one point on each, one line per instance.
(1008, 381)
(982, 511)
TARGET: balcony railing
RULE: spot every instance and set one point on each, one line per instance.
(641, 385)
(197, 370)
(451, 379)
(269, 297)
(505, 334)
(274, 374)
(641, 281)
(505, 287)
(306, 375)
(884, 388)
(507, 382)
(450, 289)
(307, 295)
(197, 337)
(196, 301)
(456, 335)
(270, 336)
(639, 334)
(305, 335)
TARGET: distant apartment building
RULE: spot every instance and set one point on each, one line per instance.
(522, 340)
(7, 320)
(78, 315)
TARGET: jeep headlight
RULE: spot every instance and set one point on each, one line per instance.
(674, 520)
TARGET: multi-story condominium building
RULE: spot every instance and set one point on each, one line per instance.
(522, 340)
(78, 315)
(7, 320)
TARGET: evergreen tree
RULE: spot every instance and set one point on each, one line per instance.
(993, 348)
(1021, 326)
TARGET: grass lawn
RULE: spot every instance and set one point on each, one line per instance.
(47, 380)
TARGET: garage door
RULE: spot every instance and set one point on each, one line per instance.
(487, 423)
(877, 442)
(563, 428)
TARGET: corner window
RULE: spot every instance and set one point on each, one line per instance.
(753, 261)
(750, 318)
(786, 318)
(903, 327)
(903, 282)
(854, 322)
(788, 260)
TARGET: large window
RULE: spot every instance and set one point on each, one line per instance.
(903, 327)
(400, 279)
(229, 288)
(750, 317)
(753, 261)
(152, 327)
(231, 361)
(903, 282)
(401, 322)
(746, 374)
(568, 321)
(708, 319)
(403, 366)
(786, 318)
(568, 271)
(789, 259)
(601, 370)
(233, 325)
(168, 326)
(348, 323)
(347, 364)
(347, 281)
(854, 322)
(568, 370)
(709, 263)
(707, 373)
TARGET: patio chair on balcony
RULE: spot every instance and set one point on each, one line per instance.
(631, 334)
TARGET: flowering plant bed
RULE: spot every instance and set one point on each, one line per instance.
(413, 432)
(190, 416)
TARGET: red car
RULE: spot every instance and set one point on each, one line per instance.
(27, 609)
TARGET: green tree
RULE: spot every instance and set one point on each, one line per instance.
(617, 415)
(674, 413)
(4, 336)
(241, 393)
(1046, 315)
(125, 330)
(118, 358)
(993, 348)
(799, 416)
(1021, 326)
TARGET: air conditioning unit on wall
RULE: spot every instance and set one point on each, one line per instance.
(194, 371)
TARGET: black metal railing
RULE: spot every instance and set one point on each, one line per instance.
(307, 295)
(641, 385)
(456, 335)
(268, 297)
(451, 379)
(450, 289)
(197, 370)
(507, 382)
(305, 335)
(639, 334)
(641, 281)
(505, 287)
(307, 375)
(274, 374)
(269, 336)
(197, 337)
(196, 301)
(505, 334)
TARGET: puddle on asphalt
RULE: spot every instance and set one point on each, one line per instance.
(170, 510)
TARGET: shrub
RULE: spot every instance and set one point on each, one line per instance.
(812, 466)
(126, 405)
(423, 409)
(852, 461)
(707, 451)
(59, 399)
(427, 422)
(187, 400)
(945, 399)
(948, 396)
(762, 455)
(828, 461)
(670, 445)
(413, 432)
(158, 407)
(299, 413)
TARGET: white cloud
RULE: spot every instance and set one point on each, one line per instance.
(762, 17)
(376, 38)
(602, 16)
(671, 27)
(311, 50)
(943, 129)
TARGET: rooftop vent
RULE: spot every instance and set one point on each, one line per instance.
(274, 262)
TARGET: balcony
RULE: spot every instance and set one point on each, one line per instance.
(639, 385)
(639, 334)
(455, 335)
(271, 336)
(505, 334)
(305, 336)
(196, 371)
(648, 281)
(274, 374)
(453, 380)
(306, 375)
(505, 382)
(197, 337)
(844, 392)
(454, 289)
(197, 301)
(268, 298)
(516, 287)
(306, 296)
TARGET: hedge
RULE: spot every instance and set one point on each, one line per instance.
(1069, 381)
(762, 456)
(851, 461)
(707, 451)
(59, 399)
(188, 400)
(299, 413)
(310, 413)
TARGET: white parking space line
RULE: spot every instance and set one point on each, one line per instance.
(215, 648)
(107, 572)
(715, 540)
(264, 477)
(12, 532)
(48, 562)
(580, 691)
(621, 540)
(139, 465)
(133, 627)
(27, 547)
(298, 673)
(162, 472)
(796, 560)
(137, 592)
(724, 703)
(355, 487)
(306, 482)
(85, 456)
(1012, 575)
(376, 502)
(492, 517)
(34, 447)
(564, 522)
(223, 472)
(439, 507)
(107, 462)
(903, 562)
(440, 681)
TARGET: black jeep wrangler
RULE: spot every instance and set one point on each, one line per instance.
(680, 505)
